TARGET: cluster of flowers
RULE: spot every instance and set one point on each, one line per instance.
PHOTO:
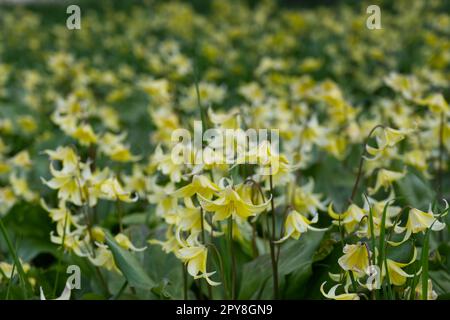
(91, 111)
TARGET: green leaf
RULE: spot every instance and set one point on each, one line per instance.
(415, 191)
(296, 258)
(129, 265)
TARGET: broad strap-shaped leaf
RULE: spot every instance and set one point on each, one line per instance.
(129, 265)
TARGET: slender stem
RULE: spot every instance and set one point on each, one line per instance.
(60, 258)
(254, 248)
(272, 244)
(119, 215)
(185, 286)
(121, 290)
(17, 262)
(222, 273)
(233, 258)
(10, 280)
(361, 161)
(202, 223)
(441, 155)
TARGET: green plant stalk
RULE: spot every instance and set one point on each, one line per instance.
(204, 243)
(361, 162)
(121, 290)
(10, 281)
(233, 258)
(424, 263)
(60, 258)
(272, 244)
(185, 287)
(23, 277)
(220, 262)
(382, 248)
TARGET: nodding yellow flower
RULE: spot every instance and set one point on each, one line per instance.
(61, 214)
(270, 162)
(84, 134)
(103, 258)
(157, 89)
(21, 189)
(200, 185)
(305, 200)
(348, 219)
(419, 221)
(332, 294)
(436, 103)
(67, 183)
(228, 120)
(418, 159)
(27, 124)
(109, 117)
(396, 274)
(355, 258)
(408, 85)
(111, 189)
(161, 196)
(188, 218)
(171, 245)
(21, 159)
(166, 164)
(377, 208)
(73, 241)
(7, 200)
(137, 181)
(229, 203)
(385, 178)
(296, 224)
(66, 155)
(388, 139)
(196, 257)
(112, 145)
(125, 243)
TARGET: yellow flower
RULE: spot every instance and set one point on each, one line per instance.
(385, 178)
(125, 243)
(419, 221)
(21, 159)
(67, 183)
(195, 257)
(20, 188)
(348, 219)
(67, 155)
(229, 203)
(355, 258)
(84, 134)
(332, 294)
(103, 258)
(27, 124)
(200, 185)
(228, 120)
(388, 139)
(296, 224)
(436, 102)
(111, 189)
(112, 145)
(171, 245)
(306, 201)
(7, 200)
(396, 274)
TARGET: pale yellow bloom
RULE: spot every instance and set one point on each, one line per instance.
(332, 294)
